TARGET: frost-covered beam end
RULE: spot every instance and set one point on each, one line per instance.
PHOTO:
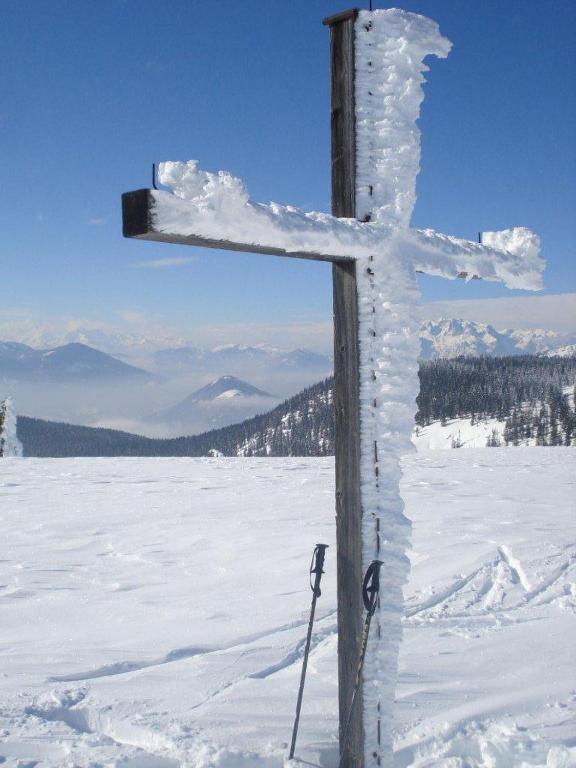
(139, 222)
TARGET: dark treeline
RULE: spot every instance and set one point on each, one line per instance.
(526, 392)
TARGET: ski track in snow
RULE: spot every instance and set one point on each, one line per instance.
(154, 612)
(494, 582)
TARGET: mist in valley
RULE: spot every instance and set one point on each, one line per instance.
(133, 405)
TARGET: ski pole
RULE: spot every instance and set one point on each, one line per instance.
(370, 589)
(316, 568)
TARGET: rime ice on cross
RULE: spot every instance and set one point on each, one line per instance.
(377, 75)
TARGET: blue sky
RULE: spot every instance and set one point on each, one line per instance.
(93, 93)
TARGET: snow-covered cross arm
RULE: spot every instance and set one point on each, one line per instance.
(378, 68)
(214, 210)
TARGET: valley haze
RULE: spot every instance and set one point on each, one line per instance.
(141, 389)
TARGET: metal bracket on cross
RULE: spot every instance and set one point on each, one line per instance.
(377, 65)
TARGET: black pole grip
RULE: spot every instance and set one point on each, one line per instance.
(371, 586)
(317, 567)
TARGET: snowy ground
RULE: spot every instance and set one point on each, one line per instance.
(153, 612)
(459, 433)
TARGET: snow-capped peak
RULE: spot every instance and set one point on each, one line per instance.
(453, 337)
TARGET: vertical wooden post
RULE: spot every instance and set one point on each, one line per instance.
(346, 386)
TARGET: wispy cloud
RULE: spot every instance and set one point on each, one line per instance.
(133, 316)
(130, 329)
(168, 261)
(96, 221)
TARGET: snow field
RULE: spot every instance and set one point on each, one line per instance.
(154, 612)
(458, 433)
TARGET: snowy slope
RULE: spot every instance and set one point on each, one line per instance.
(459, 433)
(154, 611)
(567, 350)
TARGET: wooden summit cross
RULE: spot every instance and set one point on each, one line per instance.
(377, 65)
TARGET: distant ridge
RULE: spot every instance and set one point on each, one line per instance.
(70, 362)
(532, 396)
(239, 357)
(448, 338)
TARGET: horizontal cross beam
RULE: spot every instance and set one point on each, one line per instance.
(213, 211)
(138, 223)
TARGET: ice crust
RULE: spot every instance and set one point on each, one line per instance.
(389, 348)
(215, 206)
(390, 49)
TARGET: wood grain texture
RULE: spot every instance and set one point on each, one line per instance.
(330, 21)
(342, 116)
(346, 388)
(136, 213)
(348, 501)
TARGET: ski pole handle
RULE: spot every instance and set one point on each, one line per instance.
(370, 589)
(371, 586)
(317, 568)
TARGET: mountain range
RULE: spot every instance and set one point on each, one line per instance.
(440, 339)
(452, 338)
(71, 362)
